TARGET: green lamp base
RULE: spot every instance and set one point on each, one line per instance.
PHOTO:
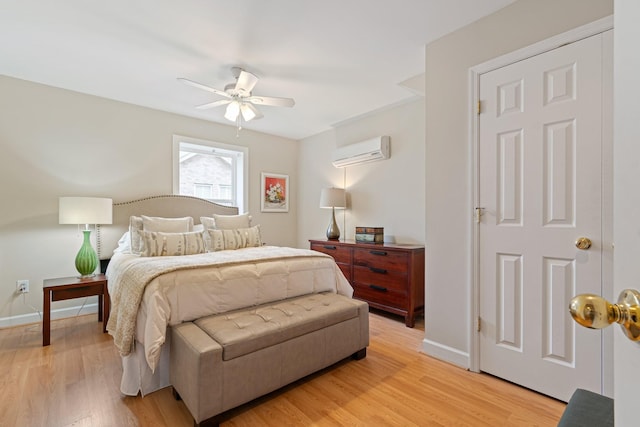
(87, 258)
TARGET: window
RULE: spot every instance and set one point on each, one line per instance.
(210, 170)
(225, 190)
(204, 191)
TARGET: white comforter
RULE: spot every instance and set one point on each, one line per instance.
(266, 274)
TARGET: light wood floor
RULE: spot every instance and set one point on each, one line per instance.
(75, 382)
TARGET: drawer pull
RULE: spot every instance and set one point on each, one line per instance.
(378, 270)
(382, 253)
(330, 247)
(378, 288)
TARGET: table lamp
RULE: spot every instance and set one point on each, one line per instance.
(85, 210)
(333, 198)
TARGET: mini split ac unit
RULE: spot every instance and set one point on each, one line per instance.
(362, 152)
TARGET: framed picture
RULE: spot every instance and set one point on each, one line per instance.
(274, 190)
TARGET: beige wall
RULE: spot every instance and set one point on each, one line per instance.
(388, 193)
(449, 209)
(60, 143)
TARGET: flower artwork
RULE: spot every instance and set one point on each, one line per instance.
(275, 193)
(274, 190)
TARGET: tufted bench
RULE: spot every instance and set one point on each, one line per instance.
(222, 361)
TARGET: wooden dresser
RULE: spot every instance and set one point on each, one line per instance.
(389, 277)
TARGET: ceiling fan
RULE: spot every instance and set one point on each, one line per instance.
(239, 99)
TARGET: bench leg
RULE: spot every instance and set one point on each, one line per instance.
(360, 354)
(211, 422)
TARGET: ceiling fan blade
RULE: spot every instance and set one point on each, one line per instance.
(271, 100)
(213, 104)
(204, 87)
(246, 82)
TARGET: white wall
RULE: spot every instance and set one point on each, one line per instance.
(626, 199)
(388, 193)
(56, 142)
(449, 209)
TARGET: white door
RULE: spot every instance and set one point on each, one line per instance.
(627, 203)
(540, 184)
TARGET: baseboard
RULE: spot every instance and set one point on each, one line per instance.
(36, 317)
(446, 353)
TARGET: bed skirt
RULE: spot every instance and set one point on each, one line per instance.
(137, 377)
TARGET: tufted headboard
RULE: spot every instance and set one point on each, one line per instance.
(169, 206)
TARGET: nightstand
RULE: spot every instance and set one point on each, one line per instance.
(74, 287)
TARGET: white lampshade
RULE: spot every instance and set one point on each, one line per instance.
(85, 210)
(333, 198)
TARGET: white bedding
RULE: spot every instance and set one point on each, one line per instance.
(266, 274)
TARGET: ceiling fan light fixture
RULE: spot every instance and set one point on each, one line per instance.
(248, 113)
(239, 98)
(233, 109)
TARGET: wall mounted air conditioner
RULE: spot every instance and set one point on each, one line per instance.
(362, 152)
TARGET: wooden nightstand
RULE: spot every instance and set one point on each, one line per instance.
(74, 287)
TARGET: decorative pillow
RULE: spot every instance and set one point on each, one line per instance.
(167, 225)
(207, 222)
(235, 239)
(229, 222)
(151, 223)
(158, 243)
(222, 222)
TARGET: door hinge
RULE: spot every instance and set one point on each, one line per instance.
(478, 323)
(479, 107)
(478, 214)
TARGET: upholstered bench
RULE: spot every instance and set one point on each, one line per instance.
(223, 361)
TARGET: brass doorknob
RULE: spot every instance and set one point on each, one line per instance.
(593, 311)
(583, 243)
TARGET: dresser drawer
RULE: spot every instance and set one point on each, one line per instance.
(381, 258)
(389, 279)
(339, 253)
(380, 296)
(346, 270)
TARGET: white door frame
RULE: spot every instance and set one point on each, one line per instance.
(571, 36)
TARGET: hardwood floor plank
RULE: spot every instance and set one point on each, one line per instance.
(75, 382)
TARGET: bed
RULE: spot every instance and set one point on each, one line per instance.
(152, 288)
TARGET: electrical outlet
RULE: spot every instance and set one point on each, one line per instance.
(22, 286)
